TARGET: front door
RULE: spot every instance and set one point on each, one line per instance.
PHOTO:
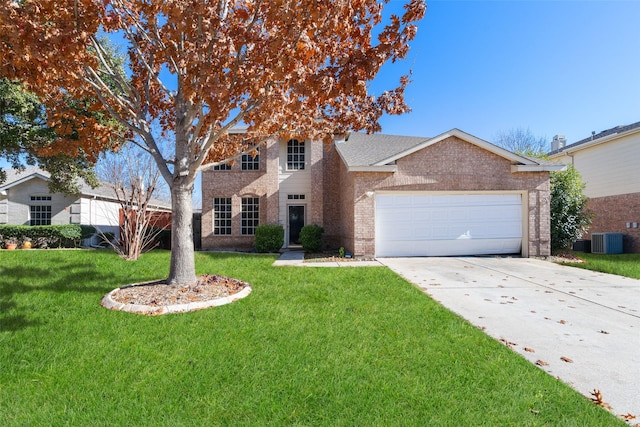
(296, 222)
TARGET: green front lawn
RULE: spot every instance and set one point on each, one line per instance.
(622, 264)
(309, 346)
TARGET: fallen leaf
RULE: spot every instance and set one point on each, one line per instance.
(541, 363)
(566, 359)
(530, 350)
(597, 399)
(628, 416)
(508, 343)
(603, 332)
(534, 411)
(562, 322)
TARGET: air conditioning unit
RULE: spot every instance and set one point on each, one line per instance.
(606, 243)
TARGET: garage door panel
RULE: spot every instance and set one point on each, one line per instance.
(441, 225)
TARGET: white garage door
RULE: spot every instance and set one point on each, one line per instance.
(448, 224)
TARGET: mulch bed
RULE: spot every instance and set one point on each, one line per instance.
(159, 293)
(331, 257)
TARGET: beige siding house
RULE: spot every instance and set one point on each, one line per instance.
(608, 162)
(25, 199)
(385, 195)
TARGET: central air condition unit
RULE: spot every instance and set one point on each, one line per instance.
(606, 243)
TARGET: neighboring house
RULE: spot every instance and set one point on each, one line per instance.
(384, 195)
(25, 200)
(608, 162)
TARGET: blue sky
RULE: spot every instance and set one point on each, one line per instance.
(556, 67)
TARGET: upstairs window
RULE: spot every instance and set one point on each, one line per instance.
(295, 155)
(249, 162)
(222, 167)
(222, 215)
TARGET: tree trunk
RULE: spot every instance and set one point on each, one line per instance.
(183, 267)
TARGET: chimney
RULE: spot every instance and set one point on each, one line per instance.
(558, 142)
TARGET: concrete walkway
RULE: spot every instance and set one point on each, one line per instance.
(580, 326)
(296, 259)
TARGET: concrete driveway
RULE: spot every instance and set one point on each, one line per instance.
(580, 326)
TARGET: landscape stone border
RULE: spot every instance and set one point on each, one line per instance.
(151, 310)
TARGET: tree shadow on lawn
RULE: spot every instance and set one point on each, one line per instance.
(21, 280)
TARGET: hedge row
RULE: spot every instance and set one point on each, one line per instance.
(47, 236)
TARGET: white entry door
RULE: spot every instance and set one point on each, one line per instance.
(448, 224)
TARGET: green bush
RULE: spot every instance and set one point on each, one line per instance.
(87, 231)
(44, 236)
(311, 238)
(570, 217)
(269, 237)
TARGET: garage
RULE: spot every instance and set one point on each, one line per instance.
(419, 224)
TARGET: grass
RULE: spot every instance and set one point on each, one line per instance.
(622, 264)
(309, 346)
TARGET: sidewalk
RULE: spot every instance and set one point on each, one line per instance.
(296, 259)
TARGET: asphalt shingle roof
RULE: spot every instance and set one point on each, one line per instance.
(607, 132)
(365, 150)
(104, 190)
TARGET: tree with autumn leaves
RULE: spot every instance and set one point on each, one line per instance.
(197, 68)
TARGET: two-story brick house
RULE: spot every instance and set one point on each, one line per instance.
(384, 195)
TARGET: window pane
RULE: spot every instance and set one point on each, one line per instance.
(250, 163)
(222, 215)
(295, 155)
(250, 217)
(40, 215)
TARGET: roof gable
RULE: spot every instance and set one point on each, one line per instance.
(15, 178)
(377, 152)
(103, 191)
(467, 138)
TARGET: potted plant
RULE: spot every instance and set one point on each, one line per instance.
(11, 243)
(27, 243)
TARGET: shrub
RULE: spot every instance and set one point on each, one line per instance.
(311, 238)
(44, 236)
(269, 237)
(87, 231)
(570, 218)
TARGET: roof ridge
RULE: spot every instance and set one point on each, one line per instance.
(595, 136)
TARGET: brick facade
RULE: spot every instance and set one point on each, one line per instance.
(612, 213)
(237, 184)
(342, 203)
(450, 165)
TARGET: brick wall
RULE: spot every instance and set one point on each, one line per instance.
(332, 209)
(317, 160)
(450, 165)
(237, 184)
(612, 213)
